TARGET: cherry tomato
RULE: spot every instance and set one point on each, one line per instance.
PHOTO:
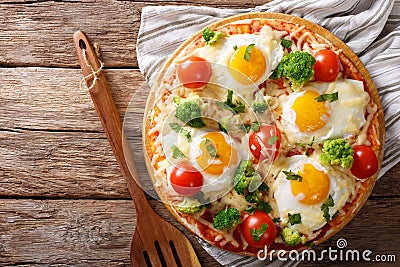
(185, 179)
(266, 142)
(194, 72)
(327, 65)
(365, 162)
(256, 233)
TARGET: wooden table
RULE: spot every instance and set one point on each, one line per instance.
(63, 199)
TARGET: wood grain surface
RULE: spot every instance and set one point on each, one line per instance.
(63, 201)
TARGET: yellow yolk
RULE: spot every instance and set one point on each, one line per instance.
(309, 112)
(314, 185)
(216, 154)
(247, 72)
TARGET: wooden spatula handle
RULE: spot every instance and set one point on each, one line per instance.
(108, 114)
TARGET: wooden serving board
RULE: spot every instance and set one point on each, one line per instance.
(368, 184)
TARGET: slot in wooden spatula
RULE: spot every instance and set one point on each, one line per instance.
(155, 242)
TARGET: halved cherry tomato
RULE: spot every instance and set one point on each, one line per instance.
(327, 65)
(365, 162)
(266, 142)
(256, 233)
(194, 72)
(186, 179)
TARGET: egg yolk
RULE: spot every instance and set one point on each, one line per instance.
(309, 112)
(216, 154)
(314, 185)
(247, 72)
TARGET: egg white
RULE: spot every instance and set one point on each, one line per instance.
(347, 114)
(311, 215)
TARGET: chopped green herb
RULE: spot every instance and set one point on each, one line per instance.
(234, 47)
(294, 218)
(264, 206)
(310, 244)
(210, 37)
(291, 176)
(335, 215)
(263, 188)
(237, 107)
(272, 140)
(211, 148)
(328, 97)
(180, 130)
(276, 220)
(248, 52)
(255, 126)
(325, 208)
(176, 153)
(286, 43)
(307, 146)
(257, 233)
(250, 209)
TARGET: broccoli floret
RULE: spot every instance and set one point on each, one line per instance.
(254, 197)
(210, 37)
(298, 67)
(189, 112)
(245, 173)
(292, 238)
(259, 106)
(189, 206)
(226, 219)
(337, 152)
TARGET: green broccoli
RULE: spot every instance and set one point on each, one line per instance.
(189, 206)
(298, 67)
(259, 106)
(337, 152)
(226, 219)
(189, 112)
(254, 197)
(244, 174)
(210, 37)
(292, 238)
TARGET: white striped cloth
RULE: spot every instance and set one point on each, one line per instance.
(371, 28)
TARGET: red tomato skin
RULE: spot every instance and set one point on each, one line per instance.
(194, 72)
(185, 179)
(263, 136)
(327, 65)
(255, 220)
(365, 162)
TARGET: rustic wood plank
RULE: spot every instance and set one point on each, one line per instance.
(51, 99)
(98, 232)
(113, 24)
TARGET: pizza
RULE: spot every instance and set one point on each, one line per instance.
(263, 130)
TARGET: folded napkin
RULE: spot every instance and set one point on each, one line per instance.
(370, 28)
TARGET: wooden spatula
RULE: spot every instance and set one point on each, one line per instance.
(155, 242)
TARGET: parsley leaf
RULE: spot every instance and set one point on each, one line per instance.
(180, 130)
(210, 37)
(257, 233)
(328, 97)
(234, 47)
(286, 43)
(264, 206)
(248, 52)
(325, 208)
(255, 126)
(294, 218)
(211, 148)
(272, 140)
(276, 220)
(237, 107)
(176, 153)
(291, 176)
(307, 146)
(250, 209)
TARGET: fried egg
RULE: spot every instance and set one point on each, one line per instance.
(214, 153)
(307, 197)
(231, 69)
(304, 118)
